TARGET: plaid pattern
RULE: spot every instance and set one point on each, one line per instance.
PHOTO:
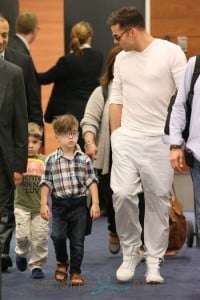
(68, 177)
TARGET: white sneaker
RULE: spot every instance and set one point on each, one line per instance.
(127, 269)
(153, 270)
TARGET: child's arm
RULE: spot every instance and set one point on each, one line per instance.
(44, 209)
(94, 210)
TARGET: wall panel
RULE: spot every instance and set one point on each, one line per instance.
(96, 12)
(177, 18)
(47, 48)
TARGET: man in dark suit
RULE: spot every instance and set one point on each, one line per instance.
(13, 129)
(23, 60)
(26, 31)
(32, 92)
(7, 221)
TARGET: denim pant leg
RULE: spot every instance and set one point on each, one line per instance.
(195, 173)
(76, 234)
(59, 233)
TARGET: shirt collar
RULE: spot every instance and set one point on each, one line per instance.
(59, 152)
(84, 46)
(24, 41)
(2, 54)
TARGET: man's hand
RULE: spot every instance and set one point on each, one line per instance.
(177, 159)
(18, 178)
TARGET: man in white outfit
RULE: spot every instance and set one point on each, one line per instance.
(146, 74)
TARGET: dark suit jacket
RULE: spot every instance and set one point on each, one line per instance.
(16, 43)
(74, 79)
(13, 119)
(32, 92)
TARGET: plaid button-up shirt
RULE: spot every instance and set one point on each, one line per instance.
(68, 177)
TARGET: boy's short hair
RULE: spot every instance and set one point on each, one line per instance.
(35, 130)
(64, 123)
(26, 23)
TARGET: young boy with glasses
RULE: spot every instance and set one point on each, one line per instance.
(68, 175)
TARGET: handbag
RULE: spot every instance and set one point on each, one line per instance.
(177, 223)
(189, 100)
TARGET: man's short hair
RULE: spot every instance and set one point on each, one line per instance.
(127, 17)
(26, 23)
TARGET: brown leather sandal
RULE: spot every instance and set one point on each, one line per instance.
(61, 272)
(76, 280)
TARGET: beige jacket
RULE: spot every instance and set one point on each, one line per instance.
(96, 120)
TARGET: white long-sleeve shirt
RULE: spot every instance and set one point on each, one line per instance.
(177, 120)
(144, 83)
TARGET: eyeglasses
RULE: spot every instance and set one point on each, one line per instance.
(117, 37)
(73, 133)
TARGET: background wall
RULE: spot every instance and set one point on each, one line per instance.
(177, 18)
(10, 9)
(173, 18)
(95, 12)
(47, 48)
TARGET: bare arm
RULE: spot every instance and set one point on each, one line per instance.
(95, 210)
(115, 112)
(44, 210)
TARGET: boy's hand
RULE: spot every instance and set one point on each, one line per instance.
(45, 212)
(94, 211)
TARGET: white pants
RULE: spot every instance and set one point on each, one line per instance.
(141, 164)
(31, 237)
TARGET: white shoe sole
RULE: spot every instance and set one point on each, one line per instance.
(154, 280)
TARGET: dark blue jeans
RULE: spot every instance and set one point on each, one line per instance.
(195, 173)
(71, 224)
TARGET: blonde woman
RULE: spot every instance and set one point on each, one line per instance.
(75, 75)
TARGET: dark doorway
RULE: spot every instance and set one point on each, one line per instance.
(95, 12)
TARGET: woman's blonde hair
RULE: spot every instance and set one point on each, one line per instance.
(81, 33)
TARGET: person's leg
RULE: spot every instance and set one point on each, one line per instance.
(39, 244)
(5, 185)
(113, 240)
(7, 226)
(126, 186)
(157, 176)
(59, 233)
(141, 214)
(59, 236)
(23, 237)
(76, 235)
(195, 173)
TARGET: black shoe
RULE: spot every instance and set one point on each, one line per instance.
(6, 262)
(37, 273)
(21, 263)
